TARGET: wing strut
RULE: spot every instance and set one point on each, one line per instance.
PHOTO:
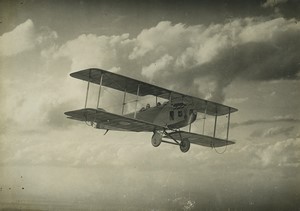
(204, 117)
(87, 90)
(100, 86)
(228, 123)
(215, 127)
(137, 99)
(106, 132)
(123, 104)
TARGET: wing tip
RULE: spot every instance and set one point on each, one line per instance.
(232, 110)
(68, 113)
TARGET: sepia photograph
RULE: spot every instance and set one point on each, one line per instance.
(149, 105)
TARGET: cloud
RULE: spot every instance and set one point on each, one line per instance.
(193, 59)
(46, 36)
(39, 103)
(277, 155)
(273, 131)
(157, 39)
(199, 60)
(25, 37)
(158, 65)
(18, 40)
(237, 100)
(273, 3)
(87, 51)
(111, 164)
(248, 49)
(284, 153)
(283, 8)
(197, 56)
(286, 118)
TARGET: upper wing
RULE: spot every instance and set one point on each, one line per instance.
(106, 120)
(119, 82)
(124, 83)
(203, 140)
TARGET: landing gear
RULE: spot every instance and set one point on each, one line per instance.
(184, 145)
(156, 138)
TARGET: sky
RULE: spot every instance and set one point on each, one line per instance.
(245, 54)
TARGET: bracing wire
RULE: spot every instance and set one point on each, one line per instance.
(119, 104)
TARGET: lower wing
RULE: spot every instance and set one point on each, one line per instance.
(110, 121)
(199, 139)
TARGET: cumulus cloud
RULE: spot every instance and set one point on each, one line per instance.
(18, 40)
(160, 38)
(273, 131)
(24, 37)
(273, 3)
(248, 49)
(286, 118)
(115, 166)
(237, 100)
(158, 65)
(31, 108)
(189, 45)
(199, 60)
(86, 51)
(46, 36)
(241, 48)
(283, 153)
(272, 154)
(194, 59)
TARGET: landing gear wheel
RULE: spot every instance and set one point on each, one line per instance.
(156, 139)
(184, 145)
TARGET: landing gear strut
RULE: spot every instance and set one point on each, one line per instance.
(184, 144)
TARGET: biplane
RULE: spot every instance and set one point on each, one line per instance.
(164, 120)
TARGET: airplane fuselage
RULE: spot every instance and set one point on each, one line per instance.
(173, 116)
